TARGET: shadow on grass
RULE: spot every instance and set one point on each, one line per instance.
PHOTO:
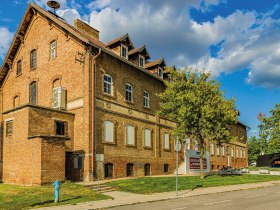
(52, 201)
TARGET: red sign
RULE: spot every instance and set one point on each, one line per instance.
(195, 163)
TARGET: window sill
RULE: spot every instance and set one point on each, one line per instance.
(148, 148)
(129, 102)
(109, 143)
(18, 75)
(130, 145)
(148, 108)
(108, 95)
(33, 69)
(167, 150)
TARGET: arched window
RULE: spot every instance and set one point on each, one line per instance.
(147, 169)
(16, 101)
(33, 93)
(33, 59)
(108, 84)
(129, 169)
(56, 83)
(128, 92)
(108, 131)
(109, 170)
(53, 49)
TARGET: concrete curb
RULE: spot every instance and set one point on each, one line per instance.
(139, 198)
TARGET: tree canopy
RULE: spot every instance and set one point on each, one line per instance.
(195, 101)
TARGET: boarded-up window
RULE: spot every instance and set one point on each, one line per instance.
(166, 141)
(212, 152)
(33, 93)
(237, 153)
(223, 150)
(147, 137)
(108, 131)
(9, 128)
(231, 152)
(130, 135)
(16, 101)
(218, 150)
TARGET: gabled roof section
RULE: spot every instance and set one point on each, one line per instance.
(140, 50)
(32, 10)
(157, 62)
(120, 39)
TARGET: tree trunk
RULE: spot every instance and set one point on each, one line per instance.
(201, 156)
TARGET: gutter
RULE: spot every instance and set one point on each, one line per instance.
(93, 117)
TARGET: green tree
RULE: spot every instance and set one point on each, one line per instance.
(254, 149)
(195, 101)
(271, 130)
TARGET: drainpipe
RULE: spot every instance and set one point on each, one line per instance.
(93, 108)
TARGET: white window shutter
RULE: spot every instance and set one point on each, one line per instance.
(108, 131)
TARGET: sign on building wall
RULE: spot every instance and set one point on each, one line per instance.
(195, 163)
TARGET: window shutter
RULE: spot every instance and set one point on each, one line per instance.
(130, 135)
(108, 131)
(147, 137)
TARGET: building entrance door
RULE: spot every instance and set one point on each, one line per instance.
(108, 170)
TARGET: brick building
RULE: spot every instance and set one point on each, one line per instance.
(73, 107)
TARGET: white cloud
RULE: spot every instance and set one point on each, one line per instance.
(69, 15)
(249, 40)
(5, 39)
(98, 4)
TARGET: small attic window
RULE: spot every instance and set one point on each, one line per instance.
(141, 61)
(160, 72)
(124, 51)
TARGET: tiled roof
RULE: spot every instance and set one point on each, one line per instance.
(139, 49)
(155, 62)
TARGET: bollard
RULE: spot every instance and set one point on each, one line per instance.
(56, 186)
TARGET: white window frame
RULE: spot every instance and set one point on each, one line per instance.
(107, 86)
(128, 92)
(126, 51)
(223, 150)
(218, 150)
(166, 139)
(212, 151)
(128, 140)
(160, 72)
(109, 138)
(147, 137)
(141, 58)
(53, 49)
(146, 96)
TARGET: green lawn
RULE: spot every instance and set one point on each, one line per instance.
(147, 185)
(19, 197)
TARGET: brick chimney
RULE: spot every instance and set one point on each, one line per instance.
(85, 28)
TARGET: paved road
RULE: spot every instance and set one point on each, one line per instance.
(253, 199)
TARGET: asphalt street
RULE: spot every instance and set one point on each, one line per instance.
(265, 198)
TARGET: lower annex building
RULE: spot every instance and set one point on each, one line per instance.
(75, 108)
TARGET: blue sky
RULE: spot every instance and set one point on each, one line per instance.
(238, 41)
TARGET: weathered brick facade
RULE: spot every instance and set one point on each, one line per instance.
(42, 142)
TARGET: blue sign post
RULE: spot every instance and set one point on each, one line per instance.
(56, 186)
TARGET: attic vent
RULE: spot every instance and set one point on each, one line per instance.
(85, 28)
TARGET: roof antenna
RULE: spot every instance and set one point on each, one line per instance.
(53, 4)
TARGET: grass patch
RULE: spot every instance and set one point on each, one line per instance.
(254, 168)
(148, 185)
(20, 197)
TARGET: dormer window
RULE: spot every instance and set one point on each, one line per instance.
(160, 72)
(141, 61)
(124, 51)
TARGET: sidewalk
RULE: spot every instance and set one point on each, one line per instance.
(124, 198)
